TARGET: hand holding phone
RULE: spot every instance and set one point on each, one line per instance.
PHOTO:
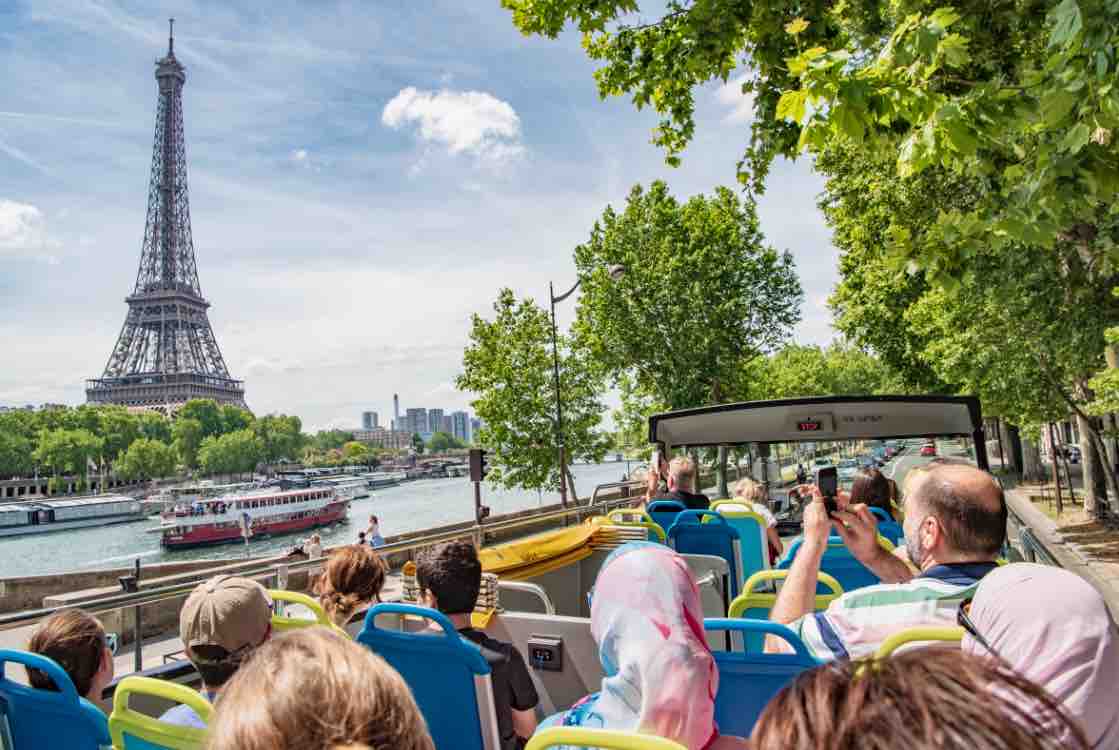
(827, 480)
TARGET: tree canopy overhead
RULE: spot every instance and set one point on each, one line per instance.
(1018, 94)
(702, 295)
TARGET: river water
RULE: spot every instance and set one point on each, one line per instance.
(411, 506)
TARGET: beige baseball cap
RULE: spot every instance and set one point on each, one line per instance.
(226, 611)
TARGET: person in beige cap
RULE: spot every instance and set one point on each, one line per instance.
(221, 623)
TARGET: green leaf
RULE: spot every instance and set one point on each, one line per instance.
(944, 17)
(1076, 139)
(791, 105)
(961, 137)
(1067, 23)
(1056, 104)
(848, 121)
(954, 49)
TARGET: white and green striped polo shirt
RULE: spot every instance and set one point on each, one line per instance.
(857, 623)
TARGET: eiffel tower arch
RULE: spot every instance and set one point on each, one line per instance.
(166, 353)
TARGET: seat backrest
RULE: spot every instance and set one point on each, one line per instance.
(448, 675)
(689, 535)
(748, 681)
(664, 512)
(757, 600)
(839, 563)
(752, 539)
(600, 738)
(132, 730)
(282, 622)
(34, 719)
(634, 517)
(918, 635)
(887, 526)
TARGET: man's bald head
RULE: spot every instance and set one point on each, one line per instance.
(969, 506)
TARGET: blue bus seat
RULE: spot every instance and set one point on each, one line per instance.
(664, 512)
(33, 719)
(448, 675)
(705, 532)
(747, 682)
(888, 527)
(752, 539)
(132, 730)
(839, 563)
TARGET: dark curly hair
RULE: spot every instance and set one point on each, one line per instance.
(453, 573)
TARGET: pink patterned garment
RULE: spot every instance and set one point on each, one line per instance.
(661, 678)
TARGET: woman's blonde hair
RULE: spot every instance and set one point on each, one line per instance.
(747, 489)
(352, 576)
(314, 688)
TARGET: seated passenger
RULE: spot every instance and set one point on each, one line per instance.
(314, 688)
(923, 699)
(449, 577)
(872, 489)
(753, 496)
(221, 623)
(351, 581)
(1052, 627)
(955, 525)
(77, 642)
(647, 620)
(682, 485)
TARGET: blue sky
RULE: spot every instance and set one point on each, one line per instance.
(363, 177)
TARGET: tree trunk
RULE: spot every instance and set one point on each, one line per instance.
(1032, 469)
(572, 494)
(722, 472)
(1013, 447)
(1056, 468)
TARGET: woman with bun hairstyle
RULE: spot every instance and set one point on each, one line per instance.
(314, 688)
(78, 643)
(351, 580)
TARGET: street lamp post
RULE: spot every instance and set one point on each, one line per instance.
(616, 272)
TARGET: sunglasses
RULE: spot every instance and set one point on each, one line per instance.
(965, 622)
(112, 642)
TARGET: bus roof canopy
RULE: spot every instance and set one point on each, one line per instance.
(822, 418)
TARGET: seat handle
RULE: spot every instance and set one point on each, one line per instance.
(393, 608)
(44, 664)
(783, 632)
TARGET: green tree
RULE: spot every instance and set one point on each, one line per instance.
(154, 426)
(233, 453)
(282, 436)
(234, 418)
(206, 412)
(441, 442)
(325, 440)
(1020, 93)
(355, 453)
(702, 295)
(188, 435)
(68, 451)
(146, 459)
(508, 367)
(15, 454)
(118, 427)
(418, 443)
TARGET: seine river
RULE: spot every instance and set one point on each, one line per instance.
(409, 507)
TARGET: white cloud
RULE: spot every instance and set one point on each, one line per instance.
(462, 122)
(23, 231)
(299, 155)
(741, 105)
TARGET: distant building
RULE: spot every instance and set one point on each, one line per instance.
(369, 420)
(382, 438)
(416, 420)
(434, 420)
(460, 426)
(395, 408)
(475, 428)
(448, 426)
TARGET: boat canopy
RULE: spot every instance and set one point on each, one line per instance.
(832, 418)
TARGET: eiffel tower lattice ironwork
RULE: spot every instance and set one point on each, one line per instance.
(166, 353)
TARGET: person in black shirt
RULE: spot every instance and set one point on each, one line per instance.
(682, 485)
(449, 577)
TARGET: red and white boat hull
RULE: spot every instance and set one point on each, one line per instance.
(202, 535)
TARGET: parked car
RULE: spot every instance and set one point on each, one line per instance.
(928, 449)
(1073, 453)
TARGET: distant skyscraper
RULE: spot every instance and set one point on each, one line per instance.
(475, 426)
(460, 426)
(415, 420)
(435, 420)
(369, 420)
(395, 407)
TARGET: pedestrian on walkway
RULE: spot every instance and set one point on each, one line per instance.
(373, 533)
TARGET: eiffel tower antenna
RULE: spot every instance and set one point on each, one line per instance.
(166, 353)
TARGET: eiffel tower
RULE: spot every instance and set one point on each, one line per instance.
(166, 353)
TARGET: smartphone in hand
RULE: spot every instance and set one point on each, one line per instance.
(827, 480)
